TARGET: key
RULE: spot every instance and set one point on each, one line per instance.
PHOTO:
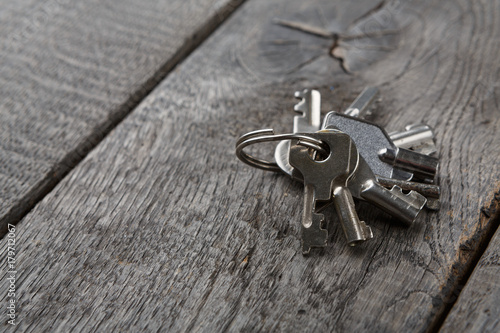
(368, 137)
(324, 179)
(364, 185)
(309, 121)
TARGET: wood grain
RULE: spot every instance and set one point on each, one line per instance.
(161, 228)
(72, 70)
(478, 306)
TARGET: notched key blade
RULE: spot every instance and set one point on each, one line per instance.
(309, 107)
(308, 121)
(405, 207)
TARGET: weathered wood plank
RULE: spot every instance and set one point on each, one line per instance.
(72, 70)
(161, 227)
(478, 306)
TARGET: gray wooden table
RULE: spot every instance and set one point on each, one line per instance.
(125, 209)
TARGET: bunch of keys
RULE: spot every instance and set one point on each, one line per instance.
(346, 157)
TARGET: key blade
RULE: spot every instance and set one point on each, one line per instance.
(427, 190)
(309, 120)
(362, 102)
(405, 207)
(430, 191)
(313, 233)
(433, 204)
(356, 231)
(419, 138)
(422, 166)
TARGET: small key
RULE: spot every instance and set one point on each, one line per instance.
(322, 179)
(364, 185)
(309, 121)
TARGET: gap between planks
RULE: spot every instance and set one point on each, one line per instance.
(20, 209)
(491, 213)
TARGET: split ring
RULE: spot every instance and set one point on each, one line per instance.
(267, 135)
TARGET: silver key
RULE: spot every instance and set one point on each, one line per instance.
(322, 179)
(309, 121)
(364, 185)
(370, 138)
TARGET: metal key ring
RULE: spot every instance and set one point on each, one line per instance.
(267, 135)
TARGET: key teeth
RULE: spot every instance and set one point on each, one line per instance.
(367, 231)
(314, 235)
(416, 199)
(301, 105)
(300, 94)
(366, 234)
(399, 190)
(405, 207)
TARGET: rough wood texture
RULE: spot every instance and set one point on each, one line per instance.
(162, 228)
(72, 70)
(478, 306)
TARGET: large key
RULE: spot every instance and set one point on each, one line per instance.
(322, 179)
(308, 121)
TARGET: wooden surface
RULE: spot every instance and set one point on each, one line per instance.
(477, 308)
(160, 227)
(70, 72)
